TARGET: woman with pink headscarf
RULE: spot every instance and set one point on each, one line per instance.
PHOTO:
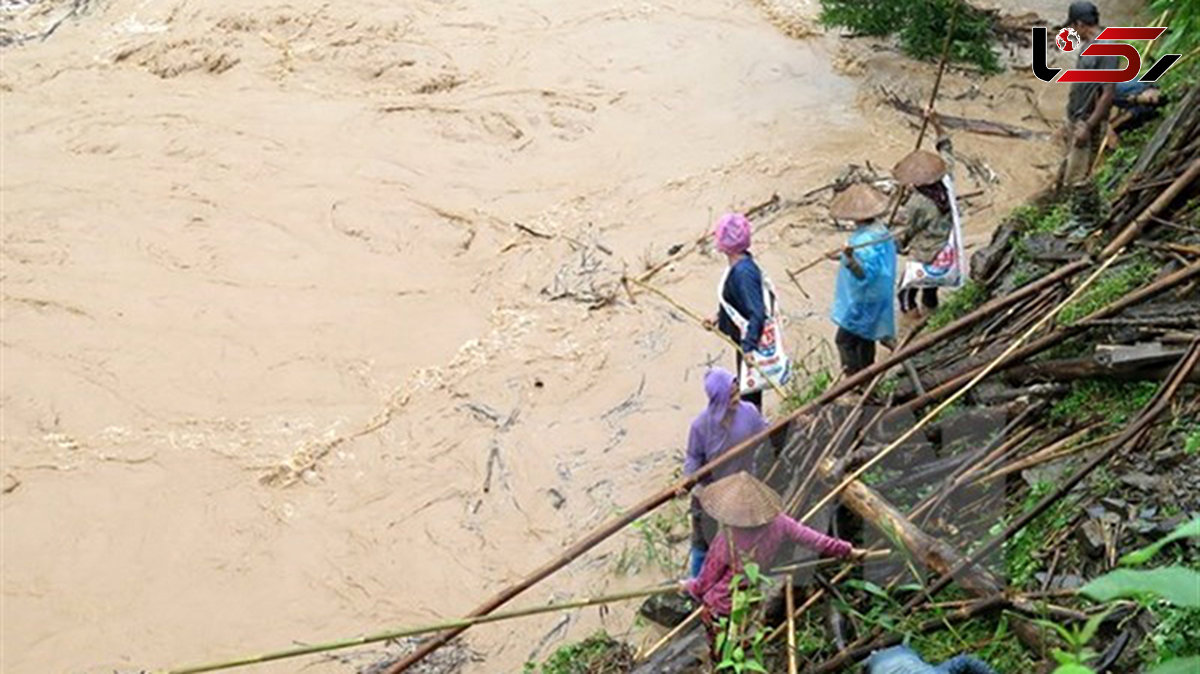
(743, 289)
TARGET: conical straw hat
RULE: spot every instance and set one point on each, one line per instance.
(858, 202)
(920, 168)
(741, 501)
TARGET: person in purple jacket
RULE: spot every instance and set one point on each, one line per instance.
(755, 529)
(724, 423)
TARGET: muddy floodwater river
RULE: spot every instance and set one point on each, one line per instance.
(279, 365)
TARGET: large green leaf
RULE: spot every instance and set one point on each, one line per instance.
(1180, 666)
(1178, 585)
(1139, 557)
(1074, 669)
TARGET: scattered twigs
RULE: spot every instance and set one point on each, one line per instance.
(1045, 455)
(979, 126)
(1056, 336)
(413, 631)
(965, 613)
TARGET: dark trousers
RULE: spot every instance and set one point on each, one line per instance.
(752, 398)
(908, 298)
(856, 352)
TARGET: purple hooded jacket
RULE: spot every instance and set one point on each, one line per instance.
(710, 437)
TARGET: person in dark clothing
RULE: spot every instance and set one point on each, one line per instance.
(742, 290)
(1138, 103)
(1088, 103)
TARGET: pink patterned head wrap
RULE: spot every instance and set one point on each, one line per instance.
(732, 234)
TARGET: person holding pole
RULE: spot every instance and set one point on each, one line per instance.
(1088, 103)
(754, 528)
(741, 291)
(863, 306)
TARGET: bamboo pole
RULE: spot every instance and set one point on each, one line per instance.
(414, 631)
(1163, 200)
(790, 603)
(675, 631)
(1058, 335)
(696, 317)
(1131, 435)
(961, 392)
(680, 488)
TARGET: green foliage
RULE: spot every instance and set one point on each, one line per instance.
(1176, 584)
(990, 639)
(802, 391)
(1111, 286)
(740, 635)
(1183, 21)
(1020, 561)
(1174, 637)
(921, 26)
(1113, 401)
(1032, 219)
(1175, 634)
(1140, 557)
(957, 305)
(1074, 661)
(598, 654)
(1191, 442)
(1180, 666)
(657, 544)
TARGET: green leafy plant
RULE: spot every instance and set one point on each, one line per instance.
(598, 654)
(657, 541)
(740, 635)
(804, 390)
(1176, 585)
(1074, 660)
(958, 304)
(1110, 287)
(921, 26)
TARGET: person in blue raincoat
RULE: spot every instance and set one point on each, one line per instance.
(863, 305)
(903, 660)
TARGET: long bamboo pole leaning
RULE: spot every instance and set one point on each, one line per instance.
(962, 391)
(789, 595)
(700, 320)
(680, 488)
(1060, 334)
(1131, 435)
(415, 631)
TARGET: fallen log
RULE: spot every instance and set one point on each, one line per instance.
(1070, 369)
(1164, 199)
(981, 126)
(931, 552)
